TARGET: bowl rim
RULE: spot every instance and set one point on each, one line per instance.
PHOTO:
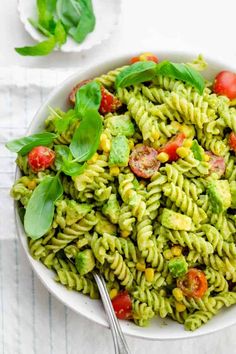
(112, 62)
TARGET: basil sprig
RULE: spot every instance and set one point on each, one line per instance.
(88, 98)
(65, 163)
(146, 71)
(40, 209)
(23, 145)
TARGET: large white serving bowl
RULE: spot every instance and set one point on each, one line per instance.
(92, 309)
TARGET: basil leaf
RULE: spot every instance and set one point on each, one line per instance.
(64, 161)
(62, 153)
(60, 34)
(46, 9)
(71, 168)
(86, 23)
(24, 145)
(136, 73)
(181, 72)
(86, 138)
(68, 12)
(39, 27)
(42, 48)
(40, 209)
(88, 97)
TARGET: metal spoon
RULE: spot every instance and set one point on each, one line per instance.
(120, 344)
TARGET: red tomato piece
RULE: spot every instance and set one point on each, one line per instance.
(145, 57)
(193, 284)
(72, 94)
(225, 84)
(143, 161)
(232, 141)
(40, 158)
(172, 145)
(109, 102)
(134, 60)
(122, 306)
(217, 164)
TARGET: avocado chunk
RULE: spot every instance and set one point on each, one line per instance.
(121, 125)
(119, 154)
(198, 151)
(84, 262)
(233, 194)
(75, 211)
(175, 221)
(219, 195)
(112, 209)
(178, 266)
(104, 226)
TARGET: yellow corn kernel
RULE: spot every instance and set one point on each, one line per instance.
(114, 171)
(206, 157)
(25, 180)
(93, 158)
(183, 151)
(140, 266)
(167, 254)
(105, 143)
(125, 233)
(163, 157)
(113, 293)
(178, 294)
(149, 274)
(187, 143)
(179, 307)
(155, 135)
(233, 102)
(162, 292)
(176, 250)
(131, 144)
(32, 184)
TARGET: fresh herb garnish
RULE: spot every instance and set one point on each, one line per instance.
(65, 163)
(42, 48)
(88, 98)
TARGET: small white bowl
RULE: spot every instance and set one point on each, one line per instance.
(107, 14)
(92, 309)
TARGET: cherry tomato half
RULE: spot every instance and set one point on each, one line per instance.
(217, 164)
(232, 141)
(122, 305)
(143, 161)
(193, 284)
(172, 145)
(225, 84)
(40, 158)
(144, 57)
(109, 102)
(72, 93)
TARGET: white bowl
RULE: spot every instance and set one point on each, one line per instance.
(107, 14)
(159, 329)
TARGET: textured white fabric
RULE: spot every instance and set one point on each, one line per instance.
(31, 320)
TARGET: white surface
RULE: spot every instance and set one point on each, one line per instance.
(105, 25)
(205, 26)
(158, 329)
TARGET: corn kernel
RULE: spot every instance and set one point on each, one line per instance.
(114, 171)
(162, 292)
(125, 233)
(105, 143)
(182, 151)
(187, 143)
(233, 102)
(178, 294)
(25, 180)
(93, 158)
(180, 307)
(140, 266)
(131, 144)
(163, 157)
(32, 184)
(113, 293)
(155, 135)
(149, 274)
(206, 157)
(176, 250)
(167, 254)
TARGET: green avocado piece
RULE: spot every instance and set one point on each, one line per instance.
(233, 194)
(84, 262)
(198, 151)
(175, 221)
(178, 266)
(219, 195)
(104, 226)
(119, 154)
(112, 209)
(121, 125)
(75, 211)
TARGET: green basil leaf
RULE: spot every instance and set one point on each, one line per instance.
(42, 48)
(26, 144)
(46, 9)
(86, 23)
(39, 27)
(182, 72)
(88, 97)
(136, 73)
(71, 168)
(86, 138)
(69, 12)
(64, 161)
(60, 34)
(40, 209)
(62, 120)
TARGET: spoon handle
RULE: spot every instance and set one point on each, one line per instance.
(120, 344)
